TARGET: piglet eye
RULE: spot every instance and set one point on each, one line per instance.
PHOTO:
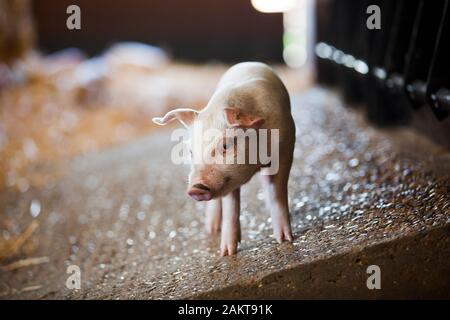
(227, 144)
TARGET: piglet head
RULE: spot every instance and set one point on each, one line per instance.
(214, 169)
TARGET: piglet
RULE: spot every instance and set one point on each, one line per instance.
(249, 96)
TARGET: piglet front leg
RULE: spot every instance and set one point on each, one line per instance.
(277, 201)
(231, 228)
(213, 216)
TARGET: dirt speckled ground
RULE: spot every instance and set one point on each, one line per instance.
(358, 196)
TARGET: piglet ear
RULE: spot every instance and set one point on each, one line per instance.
(236, 118)
(184, 115)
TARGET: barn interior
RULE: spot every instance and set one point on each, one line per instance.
(86, 177)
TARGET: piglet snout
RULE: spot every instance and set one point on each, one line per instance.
(200, 192)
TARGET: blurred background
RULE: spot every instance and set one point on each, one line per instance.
(67, 92)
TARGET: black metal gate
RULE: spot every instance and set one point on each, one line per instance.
(395, 70)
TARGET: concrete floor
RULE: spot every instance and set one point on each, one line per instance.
(359, 196)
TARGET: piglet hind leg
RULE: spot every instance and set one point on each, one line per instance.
(231, 228)
(276, 194)
(213, 218)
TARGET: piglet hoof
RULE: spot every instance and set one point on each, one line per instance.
(283, 234)
(228, 249)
